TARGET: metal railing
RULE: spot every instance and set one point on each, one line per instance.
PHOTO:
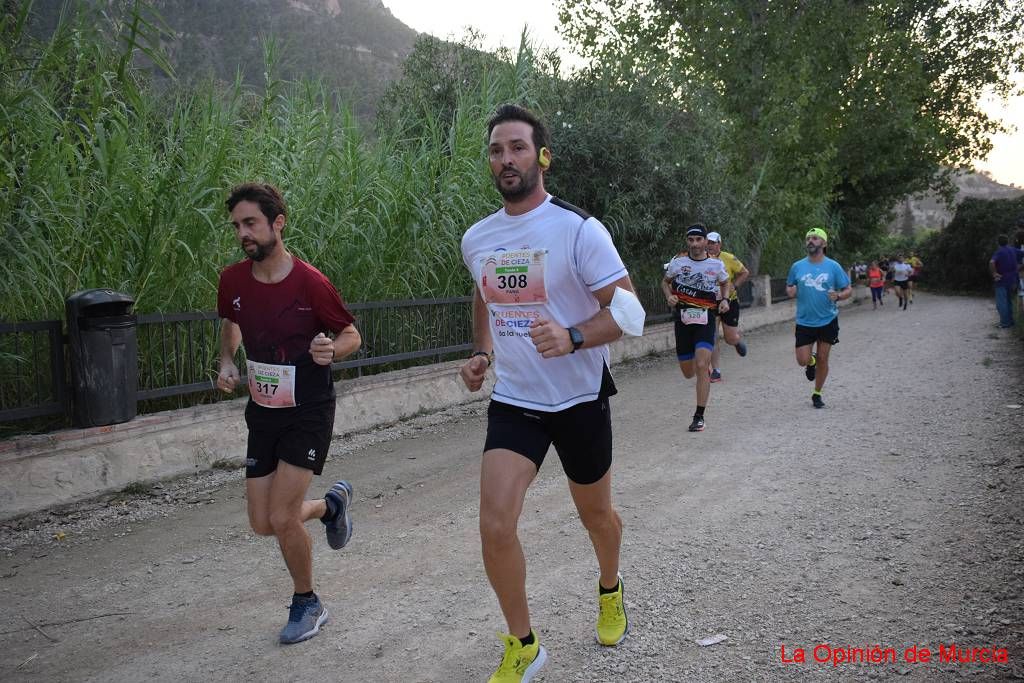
(177, 352)
(32, 376)
(779, 289)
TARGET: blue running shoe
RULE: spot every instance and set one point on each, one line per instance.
(741, 348)
(305, 617)
(339, 525)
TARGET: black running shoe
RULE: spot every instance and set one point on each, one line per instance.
(697, 425)
(811, 370)
(816, 401)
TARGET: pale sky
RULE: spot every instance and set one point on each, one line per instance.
(502, 22)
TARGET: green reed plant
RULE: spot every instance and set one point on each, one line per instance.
(109, 181)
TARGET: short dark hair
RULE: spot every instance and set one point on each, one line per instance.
(1003, 240)
(266, 195)
(513, 112)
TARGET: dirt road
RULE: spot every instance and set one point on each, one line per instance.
(895, 517)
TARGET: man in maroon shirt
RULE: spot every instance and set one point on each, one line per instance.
(281, 308)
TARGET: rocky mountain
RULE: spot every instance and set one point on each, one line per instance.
(930, 211)
(355, 46)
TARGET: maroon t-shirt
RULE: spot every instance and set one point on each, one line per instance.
(278, 321)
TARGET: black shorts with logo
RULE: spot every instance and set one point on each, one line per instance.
(582, 434)
(689, 338)
(732, 318)
(826, 334)
(299, 436)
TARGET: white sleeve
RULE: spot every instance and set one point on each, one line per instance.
(597, 260)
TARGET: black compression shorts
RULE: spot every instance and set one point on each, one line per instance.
(732, 318)
(299, 436)
(582, 435)
(826, 334)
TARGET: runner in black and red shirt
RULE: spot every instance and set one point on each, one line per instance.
(697, 288)
(282, 309)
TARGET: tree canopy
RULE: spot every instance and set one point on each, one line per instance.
(835, 109)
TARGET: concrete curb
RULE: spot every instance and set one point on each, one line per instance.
(40, 471)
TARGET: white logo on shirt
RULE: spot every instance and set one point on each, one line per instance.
(237, 303)
(816, 281)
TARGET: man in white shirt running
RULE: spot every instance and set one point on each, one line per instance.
(551, 293)
(901, 271)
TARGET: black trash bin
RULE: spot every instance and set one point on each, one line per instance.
(104, 357)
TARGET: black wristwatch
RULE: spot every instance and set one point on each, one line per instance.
(576, 337)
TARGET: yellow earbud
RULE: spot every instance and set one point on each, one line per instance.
(542, 160)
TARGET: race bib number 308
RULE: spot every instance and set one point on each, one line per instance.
(272, 386)
(514, 277)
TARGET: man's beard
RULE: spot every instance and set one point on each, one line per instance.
(697, 252)
(263, 249)
(528, 182)
(814, 249)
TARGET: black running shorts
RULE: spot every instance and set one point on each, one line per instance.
(299, 436)
(902, 284)
(689, 338)
(582, 436)
(826, 334)
(732, 318)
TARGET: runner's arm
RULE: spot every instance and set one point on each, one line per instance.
(791, 291)
(552, 340)
(346, 343)
(474, 370)
(741, 278)
(666, 288)
(230, 339)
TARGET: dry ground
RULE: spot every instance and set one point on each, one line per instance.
(894, 517)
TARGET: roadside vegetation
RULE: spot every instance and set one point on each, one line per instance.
(109, 178)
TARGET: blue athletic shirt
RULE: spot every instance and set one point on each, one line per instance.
(813, 282)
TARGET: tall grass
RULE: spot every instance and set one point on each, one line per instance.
(106, 181)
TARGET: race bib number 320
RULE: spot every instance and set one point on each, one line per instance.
(272, 386)
(514, 277)
(694, 316)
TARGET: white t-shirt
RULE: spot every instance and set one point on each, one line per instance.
(543, 264)
(901, 271)
(696, 283)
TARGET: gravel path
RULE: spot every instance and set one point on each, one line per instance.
(892, 518)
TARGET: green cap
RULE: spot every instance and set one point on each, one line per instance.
(817, 232)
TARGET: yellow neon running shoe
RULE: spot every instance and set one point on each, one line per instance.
(521, 662)
(612, 624)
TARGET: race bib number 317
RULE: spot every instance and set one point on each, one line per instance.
(514, 277)
(272, 386)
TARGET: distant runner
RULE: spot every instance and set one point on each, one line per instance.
(901, 279)
(730, 322)
(697, 288)
(818, 283)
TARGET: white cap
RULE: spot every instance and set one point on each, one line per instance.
(714, 237)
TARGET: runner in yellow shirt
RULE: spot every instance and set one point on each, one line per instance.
(916, 265)
(738, 274)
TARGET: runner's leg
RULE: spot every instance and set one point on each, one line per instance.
(803, 355)
(288, 514)
(822, 372)
(702, 360)
(602, 522)
(504, 477)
